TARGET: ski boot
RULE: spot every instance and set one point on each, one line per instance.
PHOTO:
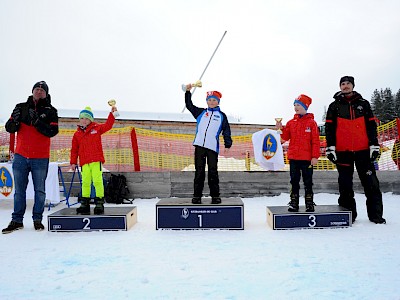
(215, 200)
(84, 209)
(196, 200)
(294, 203)
(378, 220)
(309, 202)
(99, 208)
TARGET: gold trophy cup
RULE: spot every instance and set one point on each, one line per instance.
(112, 103)
(198, 83)
(278, 120)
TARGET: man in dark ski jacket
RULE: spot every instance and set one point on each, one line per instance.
(351, 136)
(35, 122)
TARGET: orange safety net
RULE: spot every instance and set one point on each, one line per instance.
(129, 149)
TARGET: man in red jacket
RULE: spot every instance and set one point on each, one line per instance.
(303, 152)
(351, 136)
(86, 144)
(35, 122)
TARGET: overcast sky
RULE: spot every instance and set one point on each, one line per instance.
(140, 52)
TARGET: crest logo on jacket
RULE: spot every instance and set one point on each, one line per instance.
(6, 182)
(270, 145)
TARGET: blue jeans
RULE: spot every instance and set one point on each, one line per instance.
(39, 168)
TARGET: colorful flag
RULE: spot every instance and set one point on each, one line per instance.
(268, 151)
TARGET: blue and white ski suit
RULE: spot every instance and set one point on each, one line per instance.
(210, 123)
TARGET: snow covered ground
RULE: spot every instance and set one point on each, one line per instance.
(360, 262)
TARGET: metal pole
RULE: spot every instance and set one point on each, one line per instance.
(201, 76)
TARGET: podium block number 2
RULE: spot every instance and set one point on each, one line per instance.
(87, 223)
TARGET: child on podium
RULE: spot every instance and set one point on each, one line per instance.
(211, 121)
(303, 152)
(86, 145)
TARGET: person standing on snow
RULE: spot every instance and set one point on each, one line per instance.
(351, 136)
(35, 122)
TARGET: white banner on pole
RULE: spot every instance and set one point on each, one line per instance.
(268, 151)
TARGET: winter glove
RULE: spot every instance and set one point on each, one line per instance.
(16, 114)
(374, 152)
(34, 116)
(331, 153)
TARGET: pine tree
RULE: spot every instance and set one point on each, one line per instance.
(389, 112)
(397, 104)
(385, 105)
(376, 104)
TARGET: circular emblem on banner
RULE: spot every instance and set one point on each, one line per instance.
(6, 182)
(270, 146)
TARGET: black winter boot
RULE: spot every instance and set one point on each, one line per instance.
(309, 202)
(196, 200)
(378, 220)
(216, 200)
(99, 208)
(84, 209)
(294, 203)
(12, 227)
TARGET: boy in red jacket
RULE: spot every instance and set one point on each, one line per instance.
(303, 152)
(86, 144)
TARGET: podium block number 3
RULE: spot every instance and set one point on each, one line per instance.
(312, 219)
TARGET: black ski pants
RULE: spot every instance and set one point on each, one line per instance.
(201, 156)
(300, 168)
(367, 174)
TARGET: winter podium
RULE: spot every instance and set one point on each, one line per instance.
(182, 214)
(324, 216)
(113, 219)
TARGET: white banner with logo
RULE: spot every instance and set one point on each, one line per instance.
(268, 151)
(7, 184)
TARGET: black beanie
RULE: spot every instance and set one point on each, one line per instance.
(41, 84)
(347, 78)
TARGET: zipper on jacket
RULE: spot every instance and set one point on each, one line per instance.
(208, 125)
(352, 117)
(352, 114)
(35, 106)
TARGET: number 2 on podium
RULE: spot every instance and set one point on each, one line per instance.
(87, 221)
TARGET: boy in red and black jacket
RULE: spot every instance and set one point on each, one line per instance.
(351, 136)
(303, 152)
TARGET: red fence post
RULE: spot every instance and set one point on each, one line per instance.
(398, 128)
(135, 150)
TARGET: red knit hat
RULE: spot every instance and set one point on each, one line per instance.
(214, 94)
(303, 100)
